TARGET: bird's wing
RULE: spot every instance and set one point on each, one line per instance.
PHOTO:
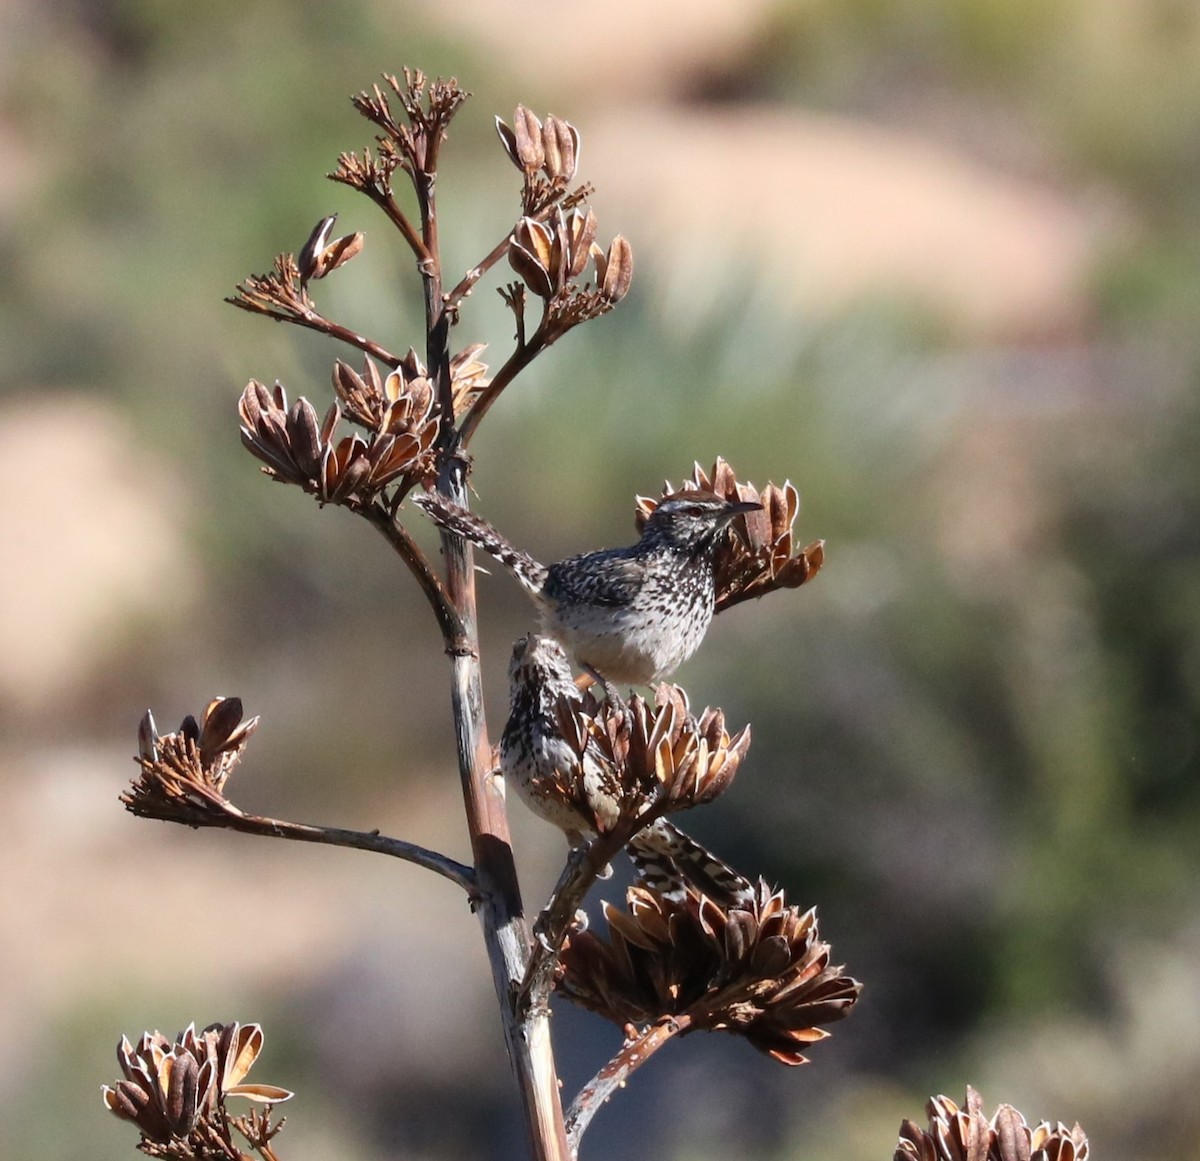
(597, 578)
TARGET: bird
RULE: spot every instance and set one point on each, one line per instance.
(536, 760)
(630, 615)
(540, 764)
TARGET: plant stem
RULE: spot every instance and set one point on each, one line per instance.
(498, 900)
(616, 1072)
(456, 872)
(554, 923)
(472, 276)
(439, 600)
(516, 362)
(319, 323)
(581, 871)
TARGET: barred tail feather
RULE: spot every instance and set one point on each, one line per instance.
(668, 861)
(448, 515)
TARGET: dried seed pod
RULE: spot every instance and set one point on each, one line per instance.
(614, 273)
(176, 1090)
(531, 255)
(750, 965)
(561, 148)
(966, 1134)
(319, 256)
(183, 775)
(546, 154)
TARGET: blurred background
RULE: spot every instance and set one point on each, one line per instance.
(935, 261)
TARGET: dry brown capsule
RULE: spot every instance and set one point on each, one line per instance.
(552, 255)
(614, 270)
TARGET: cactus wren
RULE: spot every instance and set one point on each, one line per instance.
(631, 615)
(532, 751)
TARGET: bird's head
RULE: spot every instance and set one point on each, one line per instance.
(693, 520)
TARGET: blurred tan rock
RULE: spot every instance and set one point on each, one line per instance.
(618, 50)
(92, 535)
(828, 211)
(97, 902)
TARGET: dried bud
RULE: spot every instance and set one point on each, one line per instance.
(955, 1134)
(531, 255)
(761, 556)
(183, 774)
(561, 147)
(754, 967)
(523, 142)
(614, 270)
(319, 256)
(175, 1091)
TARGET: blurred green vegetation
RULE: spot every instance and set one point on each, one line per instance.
(980, 759)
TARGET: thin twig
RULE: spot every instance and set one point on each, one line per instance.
(386, 201)
(456, 872)
(449, 621)
(472, 276)
(318, 322)
(553, 925)
(616, 1072)
(524, 354)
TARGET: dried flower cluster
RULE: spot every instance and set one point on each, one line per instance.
(651, 760)
(410, 144)
(175, 1091)
(547, 154)
(428, 107)
(551, 256)
(183, 774)
(763, 557)
(956, 1134)
(754, 967)
(386, 403)
(281, 294)
(298, 448)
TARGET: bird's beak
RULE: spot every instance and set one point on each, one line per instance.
(736, 508)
